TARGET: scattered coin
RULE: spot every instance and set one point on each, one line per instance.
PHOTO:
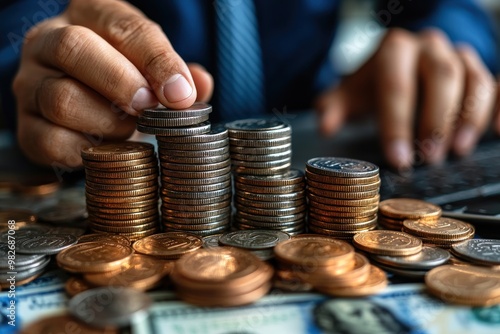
(479, 251)
(169, 245)
(45, 244)
(428, 258)
(396, 210)
(387, 243)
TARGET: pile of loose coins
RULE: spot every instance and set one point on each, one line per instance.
(274, 202)
(260, 146)
(195, 169)
(121, 188)
(221, 277)
(443, 232)
(329, 265)
(393, 212)
(343, 196)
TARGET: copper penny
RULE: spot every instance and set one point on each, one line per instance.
(74, 285)
(118, 151)
(92, 257)
(376, 282)
(443, 228)
(102, 237)
(409, 208)
(388, 243)
(170, 245)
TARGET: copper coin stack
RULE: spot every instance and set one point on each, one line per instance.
(393, 212)
(329, 265)
(195, 168)
(260, 146)
(343, 196)
(444, 232)
(223, 276)
(274, 202)
(121, 188)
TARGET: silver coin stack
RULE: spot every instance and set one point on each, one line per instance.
(343, 196)
(275, 202)
(196, 185)
(260, 146)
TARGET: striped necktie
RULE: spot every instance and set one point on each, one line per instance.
(239, 60)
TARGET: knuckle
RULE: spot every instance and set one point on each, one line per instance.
(398, 38)
(56, 101)
(434, 38)
(123, 30)
(445, 66)
(69, 42)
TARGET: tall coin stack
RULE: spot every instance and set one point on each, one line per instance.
(343, 196)
(122, 189)
(195, 169)
(274, 202)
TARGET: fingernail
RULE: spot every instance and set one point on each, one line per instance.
(177, 88)
(434, 152)
(144, 98)
(465, 140)
(400, 153)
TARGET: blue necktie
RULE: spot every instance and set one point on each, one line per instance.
(239, 60)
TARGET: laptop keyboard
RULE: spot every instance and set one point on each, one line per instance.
(465, 188)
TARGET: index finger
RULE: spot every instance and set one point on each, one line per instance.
(142, 42)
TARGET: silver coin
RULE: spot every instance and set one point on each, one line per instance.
(415, 274)
(293, 230)
(195, 167)
(203, 233)
(271, 197)
(270, 189)
(171, 122)
(270, 212)
(107, 306)
(197, 227)
(267, 225)
(197, 109)
(273, 142)
(196, 208)
(271, 219)
(192, 130)
(197, 188)
(217, 132)
(195, 153)
(261, 157)
(211, 241)
(197, 221)
(195, 195)
(260, 150)
(253, 239)
(24, 232)
(286, 131)
(261, 164)
(192, 146)
(481, 251)
(290, 177)
(254, 124)
(167, 173)
(40, 263)
(195, 214)
(341, 167)
(194, 160)
(269, 205)
(196, 201)
(263, 171)
(197, 181)
(19, 260)
(63, 213)
(263, 254)
(428, 258)
(46, 244)
(23, 274)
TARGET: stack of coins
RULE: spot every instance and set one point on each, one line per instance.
(483, 252)
(275, 202)
(329, 265)
(465, 285)
(343, 196)
(221, 277)
(195, 169)
(260, 146)
(393, 212)
(443, 232)
(412, 266)
(122, 188)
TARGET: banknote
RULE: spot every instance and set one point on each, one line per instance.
(404, 308)
(42, 297)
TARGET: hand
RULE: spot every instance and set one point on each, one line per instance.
(83, 74)
(452, 87)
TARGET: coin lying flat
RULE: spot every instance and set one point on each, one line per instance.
(168, 245)
(465, 285)
(409, 208)
(197, 109)
(428, 258)
(341, 167)
(253, 239)
(118, 307)
(388, 243)
(443, 228)
(45, 244)
(480, 251)
(118, 151)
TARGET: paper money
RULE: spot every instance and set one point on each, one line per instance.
(404, 308)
